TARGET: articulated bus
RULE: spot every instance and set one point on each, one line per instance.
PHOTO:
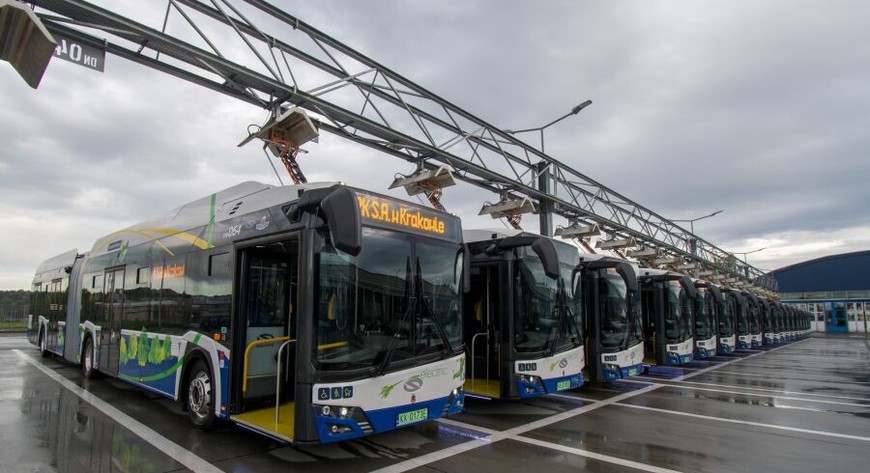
(614, 328)
(708, 304)
(666, 301)
(523, 326)
(311, 313)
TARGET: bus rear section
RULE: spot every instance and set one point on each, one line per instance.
(611, 308)
(55, 299)
(666, 303)
(523, 326)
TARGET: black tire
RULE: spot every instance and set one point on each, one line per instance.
(200, 396)
(88, 359)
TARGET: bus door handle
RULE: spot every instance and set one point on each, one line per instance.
(473, 340)
(278, 376)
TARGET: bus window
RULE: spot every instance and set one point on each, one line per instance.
(363, 303)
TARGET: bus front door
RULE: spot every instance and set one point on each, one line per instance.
(110, 333)
(482, 324)
(267, 338)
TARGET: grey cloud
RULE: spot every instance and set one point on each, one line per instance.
(758, 108)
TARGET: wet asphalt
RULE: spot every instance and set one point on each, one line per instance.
(804, 406)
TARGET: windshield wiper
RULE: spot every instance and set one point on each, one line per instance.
(427, 311)
(562, 323)
(411, 301)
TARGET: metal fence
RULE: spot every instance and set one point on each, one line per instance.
(14, 312)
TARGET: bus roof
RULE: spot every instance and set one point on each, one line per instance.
(223, 205)
(55, 267)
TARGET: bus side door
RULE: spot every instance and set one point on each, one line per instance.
(113, 299)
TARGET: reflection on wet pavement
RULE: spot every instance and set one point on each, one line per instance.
(817, 386)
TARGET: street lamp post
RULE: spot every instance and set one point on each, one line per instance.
(745, 264)
(693, 220)
(574, 111)
(545, 210)
(744, 253)
(694, 241)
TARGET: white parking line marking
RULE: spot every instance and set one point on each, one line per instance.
(168, 447)
(564, 448)
(746, 422)
(596, 456)
(741, 393)
(702, 383)
(573, 398)
(515, 432)
(463, 425)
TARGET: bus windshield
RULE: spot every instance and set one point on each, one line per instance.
(398, 299)
(726, 319)
(541, 320)
(676, 315)
(742, 316)
(754, 326)
(704, 314)
(614, 310)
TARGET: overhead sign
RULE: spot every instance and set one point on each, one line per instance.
(407, 216)
(80, 53)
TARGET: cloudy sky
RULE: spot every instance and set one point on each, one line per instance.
(758, 108)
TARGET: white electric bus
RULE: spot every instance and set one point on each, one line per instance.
(311, 313)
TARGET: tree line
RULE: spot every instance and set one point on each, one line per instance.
(14, 304)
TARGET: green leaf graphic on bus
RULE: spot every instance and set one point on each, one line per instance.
(167, 348)
(155, 353)
(461, 371)
(386, 390)
(149, 360)
(123, 358)
(142, 354)
(133, 347)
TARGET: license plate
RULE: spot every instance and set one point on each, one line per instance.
(410, 417)
(563, 385)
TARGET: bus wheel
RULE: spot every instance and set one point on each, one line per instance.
(88, 359)
(200, 396)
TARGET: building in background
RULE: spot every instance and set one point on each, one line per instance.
(834, 288)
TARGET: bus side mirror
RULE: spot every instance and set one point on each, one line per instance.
(628, 275)
(689, 286)
(546, 250)
(343, 219)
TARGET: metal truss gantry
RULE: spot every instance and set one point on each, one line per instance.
(257, 53)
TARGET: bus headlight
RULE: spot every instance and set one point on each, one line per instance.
(338, 412)
(530, 385)
(455, 402)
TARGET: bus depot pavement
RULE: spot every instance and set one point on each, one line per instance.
(800, 407)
